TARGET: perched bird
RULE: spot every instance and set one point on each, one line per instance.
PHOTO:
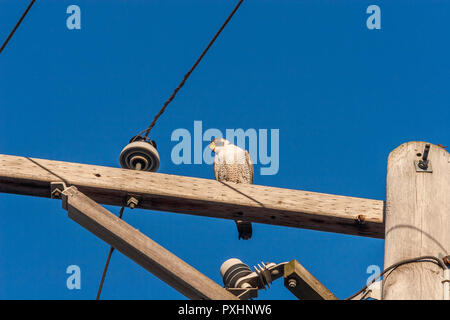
(233, 164)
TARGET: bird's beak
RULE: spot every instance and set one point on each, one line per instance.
(212, 146)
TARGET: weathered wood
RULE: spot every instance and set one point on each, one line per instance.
(303, 284)
(141, 249)
(417, 221)
(204, 197)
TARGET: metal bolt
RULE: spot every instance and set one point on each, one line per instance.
(56, 193)
(138, 166)
(292, 283)
(423, 164)
(447, 261)
(361, 219)
(132, 202)
(56, 189)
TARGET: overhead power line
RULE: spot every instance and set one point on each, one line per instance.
(111, 250)
(17, 25)
(186, 76)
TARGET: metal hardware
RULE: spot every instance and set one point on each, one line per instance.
(292, 283)
(132, 202)
(56, 189)
(247, 283)
(424, 165)
(243, 283)
(446, 260)
(361, 219)
(140, 154)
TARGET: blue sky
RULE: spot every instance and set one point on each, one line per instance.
(342, 96)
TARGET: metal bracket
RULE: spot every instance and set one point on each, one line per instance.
(132, 201)
(296, 279)
(261, 278)
(56, 189)
(424, 165)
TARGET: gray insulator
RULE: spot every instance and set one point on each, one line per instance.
(232, 271)
(140, 155)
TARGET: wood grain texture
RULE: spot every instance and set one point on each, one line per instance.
(141, 249)
(417, 221)
(307, 286)
(203, 197)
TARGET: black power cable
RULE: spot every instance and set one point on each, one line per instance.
(111, 250)
(186, 76)
(17, 25)
(432, 259)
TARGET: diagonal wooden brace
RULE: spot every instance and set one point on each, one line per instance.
(140, 248)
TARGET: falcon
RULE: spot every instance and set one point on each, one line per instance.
(233, 164)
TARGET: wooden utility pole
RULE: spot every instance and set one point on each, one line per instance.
(417, 221)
